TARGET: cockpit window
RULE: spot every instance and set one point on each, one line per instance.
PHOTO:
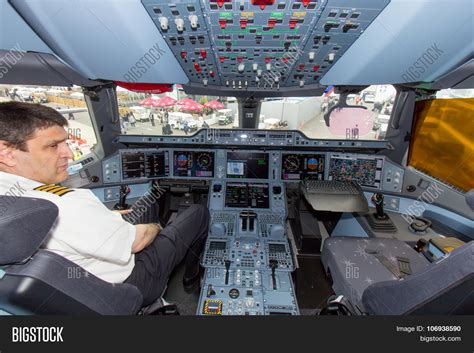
(176, 113)
(442, 144)
(69, 102)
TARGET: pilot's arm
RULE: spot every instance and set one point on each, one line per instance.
(144, 236)
(88, 227)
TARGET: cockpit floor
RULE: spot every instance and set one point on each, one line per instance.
(175, 294)
(313, 287)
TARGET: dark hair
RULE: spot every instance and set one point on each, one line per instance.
(19, 122)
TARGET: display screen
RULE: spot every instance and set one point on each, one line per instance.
(365, 171)
(302, 166)
(144, 164)
(193, 164)
(155, 164)
(247, 195)
(247, 165)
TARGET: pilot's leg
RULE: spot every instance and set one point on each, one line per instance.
(184, 237)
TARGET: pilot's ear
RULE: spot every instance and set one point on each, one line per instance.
(6, 154)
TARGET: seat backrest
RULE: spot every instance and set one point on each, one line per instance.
(24, 225)
(445, 287)
(36, 281)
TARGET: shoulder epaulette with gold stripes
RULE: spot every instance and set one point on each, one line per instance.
(54, 189)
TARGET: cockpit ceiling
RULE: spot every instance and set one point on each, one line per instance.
(241, 47)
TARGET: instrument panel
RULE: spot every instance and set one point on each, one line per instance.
(248, 256)
(372, 172)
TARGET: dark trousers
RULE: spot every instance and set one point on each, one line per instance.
(185, 236)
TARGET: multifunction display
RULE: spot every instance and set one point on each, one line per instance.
(136, 165)
(297, 166)
(193, 164)
(247, 165)
(366, 170)
(247, 195)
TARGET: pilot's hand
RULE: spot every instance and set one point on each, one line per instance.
(144, 236)
(123, 212)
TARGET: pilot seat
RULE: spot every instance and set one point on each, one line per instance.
(387, 277)
(34, 281)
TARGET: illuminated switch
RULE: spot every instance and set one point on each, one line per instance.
(269, 66)
(212, 73)
(164, 23)
(315, 67)
(277, 79)
(285, 60)
(198, 67)
(203, 54)
(223, 23)
(301, 67)
(204, 81)
(267, 59)
(293, 23)
(221, 59)
(305, 2)
(311, 55)
(241, 67)
(331, 57)
(240, 59)
(301, 83)
(272, 22)
(243, 23)
(254, 66)
(184, 55)
(259, 73)
(194, 21)
(262, 3)
(179, 24)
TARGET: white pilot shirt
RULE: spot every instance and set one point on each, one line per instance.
(85, 232)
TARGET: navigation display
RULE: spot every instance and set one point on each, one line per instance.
(297, 166)
(365, 171)
(247, 165)
(143, 164)
(247, 195)
(193, 164)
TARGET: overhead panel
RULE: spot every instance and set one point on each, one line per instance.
(260, 45)
(338, 27)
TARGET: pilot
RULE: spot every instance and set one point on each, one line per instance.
(34, 158)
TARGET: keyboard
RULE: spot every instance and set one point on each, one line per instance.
(331, 187)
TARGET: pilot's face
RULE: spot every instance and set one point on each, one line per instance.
(46, 159)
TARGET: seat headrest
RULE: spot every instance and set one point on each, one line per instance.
(470, 198)
(24, 224)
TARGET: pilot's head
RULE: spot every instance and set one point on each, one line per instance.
(33, 142)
